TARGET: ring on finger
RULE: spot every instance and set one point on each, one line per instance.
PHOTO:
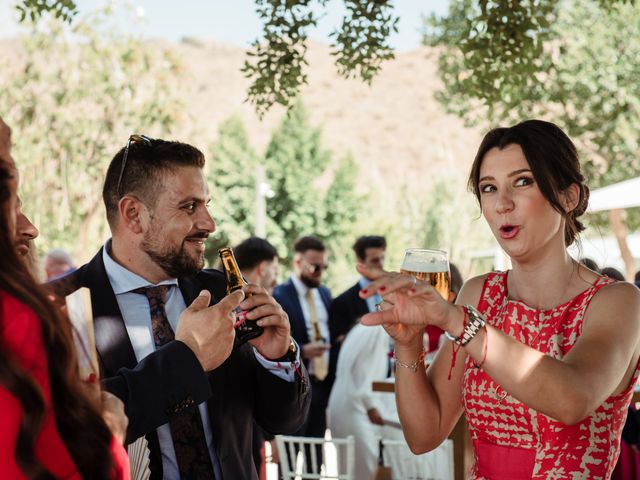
(379, 306)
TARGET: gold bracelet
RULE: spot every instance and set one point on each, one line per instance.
(411, 366)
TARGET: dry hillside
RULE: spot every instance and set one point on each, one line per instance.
(395, 129)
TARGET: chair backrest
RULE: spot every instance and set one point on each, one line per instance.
(324, 459)
(405, 465)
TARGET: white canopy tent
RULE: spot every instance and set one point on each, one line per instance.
(624, 194)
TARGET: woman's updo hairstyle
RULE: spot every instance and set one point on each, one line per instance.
(554, 163)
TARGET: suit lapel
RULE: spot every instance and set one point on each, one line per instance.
(112, 341)
(190, 288)
(298, 323)
(326, 296)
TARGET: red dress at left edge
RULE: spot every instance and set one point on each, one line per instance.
(20, 334)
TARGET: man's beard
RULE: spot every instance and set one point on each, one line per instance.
(310, 282)
(174, 261)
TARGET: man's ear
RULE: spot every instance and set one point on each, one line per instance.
(261, 268)
(132, 213)
(571, 197)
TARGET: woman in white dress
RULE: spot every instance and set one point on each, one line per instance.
(353, 407)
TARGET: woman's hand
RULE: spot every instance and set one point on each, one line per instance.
(401, 334)
(409, 304)
(114, 416)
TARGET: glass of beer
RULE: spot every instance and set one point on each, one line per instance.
(429, 266)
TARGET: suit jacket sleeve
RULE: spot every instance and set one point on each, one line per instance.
(339, 321)
(160, 386)
(281, 407)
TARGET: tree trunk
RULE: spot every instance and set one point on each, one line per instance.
(616, 219)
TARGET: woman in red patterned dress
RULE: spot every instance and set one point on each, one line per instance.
(51, 424)
(543, 357)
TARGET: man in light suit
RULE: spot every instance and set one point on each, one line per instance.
(307, 301)
(186, 382)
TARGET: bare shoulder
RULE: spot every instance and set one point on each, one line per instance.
(618, 292)
(617, 302)
(471, 290)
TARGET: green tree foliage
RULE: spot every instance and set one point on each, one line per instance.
(499, 44)
(342, 209)
(501, 41)
(231, 172)
(308, 197)
(586, 83)
(73, 96)
(310, 194)
(34, 9)
(275, 63)
(295, 160)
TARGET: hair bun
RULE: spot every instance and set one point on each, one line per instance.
(583, 202)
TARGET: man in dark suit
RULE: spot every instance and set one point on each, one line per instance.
(348, 307)
(307, 302)
(193, 393)
(258, 262)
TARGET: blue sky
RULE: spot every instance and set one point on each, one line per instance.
(234, 21)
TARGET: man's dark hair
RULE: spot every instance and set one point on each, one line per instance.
(308, 243)
(368, 241)
(144, 170)
(456, 278)
(612, 272)
(590, 264)
(250, 252)
(637, 278)
(554, 163)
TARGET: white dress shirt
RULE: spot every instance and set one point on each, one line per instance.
(321, 310)
(373, 300)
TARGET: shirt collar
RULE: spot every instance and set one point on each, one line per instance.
(363, 282)
(123, 280)
(301, 288)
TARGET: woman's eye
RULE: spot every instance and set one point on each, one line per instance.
(522, 181)
(487, 188)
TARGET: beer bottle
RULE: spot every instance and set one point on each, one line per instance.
(245, 329)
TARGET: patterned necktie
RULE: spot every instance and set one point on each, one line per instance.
(187, 432)
(320, 366)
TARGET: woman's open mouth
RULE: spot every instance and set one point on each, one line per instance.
(509, 231)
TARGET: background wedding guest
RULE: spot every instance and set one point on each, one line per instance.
(306, 302)
(57, 262)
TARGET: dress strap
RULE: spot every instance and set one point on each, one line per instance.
(493, 292)
(597, 285)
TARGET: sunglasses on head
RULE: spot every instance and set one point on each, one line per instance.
(138, 140)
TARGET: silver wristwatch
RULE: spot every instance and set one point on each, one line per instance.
(475, 322)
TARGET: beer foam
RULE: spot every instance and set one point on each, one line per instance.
(425, 266)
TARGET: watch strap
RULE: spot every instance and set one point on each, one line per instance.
(475, 322)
